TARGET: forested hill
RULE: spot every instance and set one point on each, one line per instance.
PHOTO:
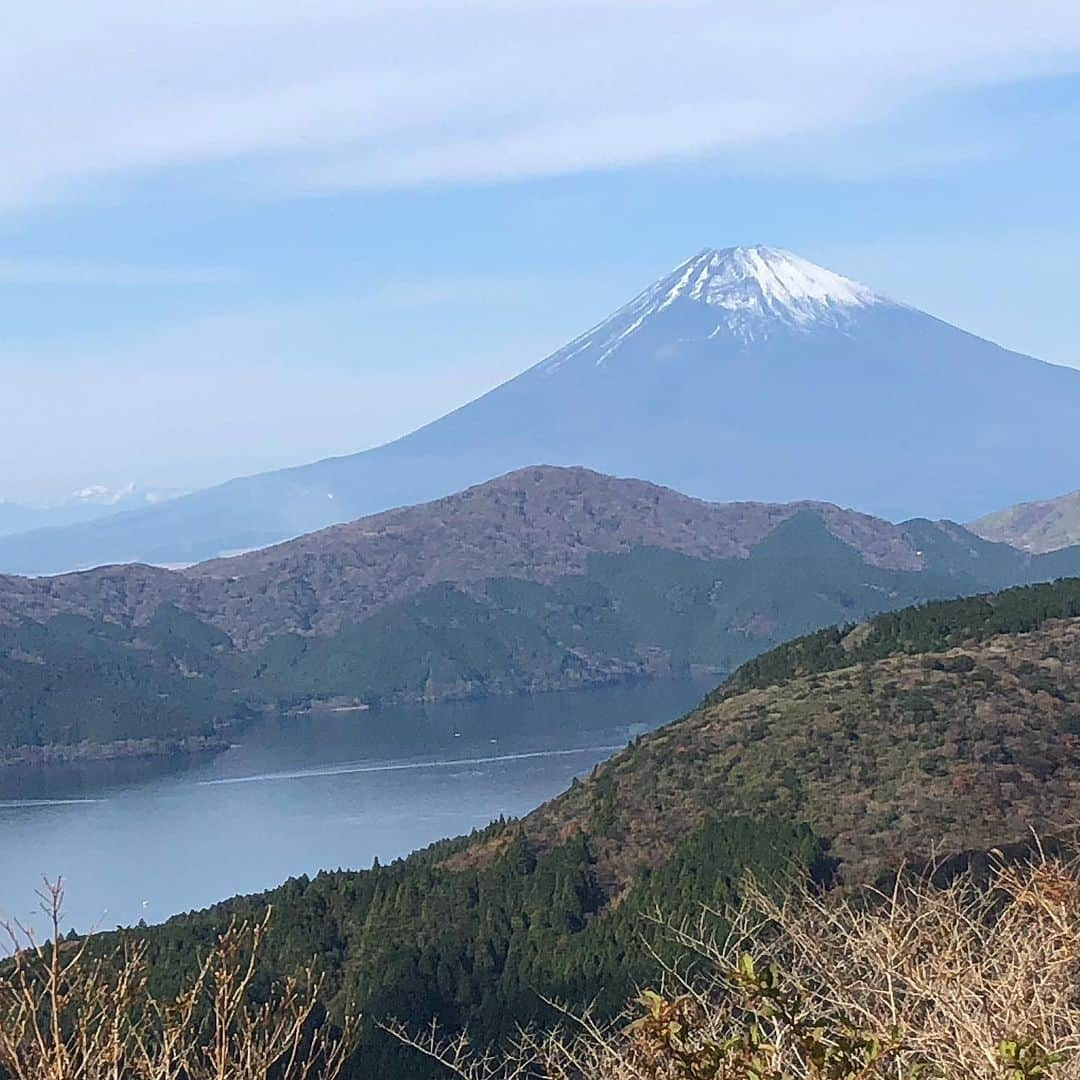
(81, 687)
(931, 627)
(542, 580)
(945, 725)
(957, 727)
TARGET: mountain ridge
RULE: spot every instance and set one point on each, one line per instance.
(90, 503)
(1039, 527)
(798, 388)
(548, 578)
(538, 523)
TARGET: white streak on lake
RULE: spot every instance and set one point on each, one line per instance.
(400, 766)
(22, 804)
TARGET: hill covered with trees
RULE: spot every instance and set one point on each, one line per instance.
(542, 580)
(838, 758)
(81, 687)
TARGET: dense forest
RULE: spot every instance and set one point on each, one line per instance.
(484, 947)
(77, 680)
(956, 731)
(931, 627)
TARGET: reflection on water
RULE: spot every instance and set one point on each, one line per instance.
(78, 779)
(147, 838)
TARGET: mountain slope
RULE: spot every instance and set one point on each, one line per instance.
(78, 687)
(1035, 526)
(746, 373)
(543, 579)
(537, 524)
(89, 504)
(934, 731)
(542, 524)
(955, 725)
(16, 518)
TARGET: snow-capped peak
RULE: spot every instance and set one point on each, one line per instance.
(764, 281)
(754, 291)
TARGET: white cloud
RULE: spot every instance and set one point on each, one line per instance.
(330, 94)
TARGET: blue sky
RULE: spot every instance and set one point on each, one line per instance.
(246, 235)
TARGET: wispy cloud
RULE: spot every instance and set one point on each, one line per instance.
(32, 272)
(339, 95)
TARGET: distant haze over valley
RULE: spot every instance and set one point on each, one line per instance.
(87, 504)
(745, 373)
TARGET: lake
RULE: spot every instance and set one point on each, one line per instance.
(296, 794)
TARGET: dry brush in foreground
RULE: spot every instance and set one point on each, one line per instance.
(964, 982)
(68, 1014)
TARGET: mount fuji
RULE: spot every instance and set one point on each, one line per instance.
(745, 373)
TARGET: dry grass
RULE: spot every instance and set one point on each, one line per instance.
(68, 1015)
(958, 982)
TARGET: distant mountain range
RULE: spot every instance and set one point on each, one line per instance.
(745, 373)
(87, 504)
(1037, 527)
(543, 579)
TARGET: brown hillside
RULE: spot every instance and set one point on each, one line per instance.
(537, 523)
(907, 756)
(1035, 526)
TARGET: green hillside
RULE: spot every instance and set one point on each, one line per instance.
(956, 728)
(650, 611)
(74, 680)
(931, 627)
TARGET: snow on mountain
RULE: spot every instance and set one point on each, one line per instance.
(754, 291)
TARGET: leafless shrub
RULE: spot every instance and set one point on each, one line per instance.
(965, 982)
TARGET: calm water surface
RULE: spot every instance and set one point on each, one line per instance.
(144, 840)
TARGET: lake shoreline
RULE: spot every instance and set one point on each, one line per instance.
(179, 746)
(119, 750)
